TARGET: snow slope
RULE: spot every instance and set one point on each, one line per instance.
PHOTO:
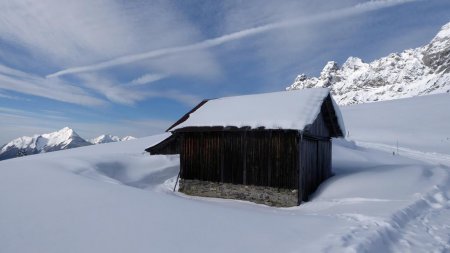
(419, 123)
(413, 72)
(116, 198)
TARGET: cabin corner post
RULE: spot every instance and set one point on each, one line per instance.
(244, 158)
(182, 156)
(222, 157)
(300, 170)
(270, 158)
(330, 166)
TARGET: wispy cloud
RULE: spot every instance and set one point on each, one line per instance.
(17, 123)
(3, 95)
(130, 94)
(45, 114)
(148, 78)
(39, 36)
(83, 31)
(56, 89)
(111, 90)
(184, 98)
(330, 15)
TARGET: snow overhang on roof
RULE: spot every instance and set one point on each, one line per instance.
(277, 110)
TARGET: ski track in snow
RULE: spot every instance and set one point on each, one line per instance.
(433, 157)
(420, 227)
(405, 230)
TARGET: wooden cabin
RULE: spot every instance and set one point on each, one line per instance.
(272, 148)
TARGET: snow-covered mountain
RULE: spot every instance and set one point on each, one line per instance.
(413, 72)
(106, 138)
(65, 138)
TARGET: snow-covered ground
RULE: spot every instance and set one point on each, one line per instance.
(419, 123)
(116, 198)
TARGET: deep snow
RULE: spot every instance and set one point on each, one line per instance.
(116, 198)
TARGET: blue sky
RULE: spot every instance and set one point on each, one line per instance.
(133, 67)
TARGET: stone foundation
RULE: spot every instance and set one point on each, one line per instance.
(258, 194)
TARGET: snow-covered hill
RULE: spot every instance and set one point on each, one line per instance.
(65, 138)
(107, 138)
(117, 198)
(413, 72)
(418, 123)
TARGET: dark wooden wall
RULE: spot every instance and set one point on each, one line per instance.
(280, 159)
(315, 165)
(256, 157)
(318, 127)
(315, 154)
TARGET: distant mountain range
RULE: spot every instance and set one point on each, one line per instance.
(65, 138)
(106, 138)
(413, 72)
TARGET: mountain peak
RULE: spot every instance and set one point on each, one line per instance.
(65, 129)
(107, 138)
(436, 55)
(68, 132)
(444, 32)
(354, 63)
(127, 138)
(413, 72)
(62, 137)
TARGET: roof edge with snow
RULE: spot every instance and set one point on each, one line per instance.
(289, 110)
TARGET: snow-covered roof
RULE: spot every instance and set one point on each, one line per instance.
(277, 110)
